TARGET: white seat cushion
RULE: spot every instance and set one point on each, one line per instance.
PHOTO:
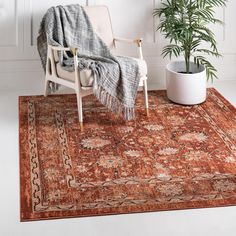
(86, 76)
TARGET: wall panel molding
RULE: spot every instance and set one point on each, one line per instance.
(11, 28)
(8, 23)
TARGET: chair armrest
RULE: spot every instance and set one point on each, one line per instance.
(135, 41)
(58, 48)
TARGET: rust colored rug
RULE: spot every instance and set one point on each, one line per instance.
(180, 157)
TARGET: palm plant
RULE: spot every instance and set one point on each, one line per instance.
(186, 24)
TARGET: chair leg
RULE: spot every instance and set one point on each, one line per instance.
(80, 109)
(146, 96)
(46, 88)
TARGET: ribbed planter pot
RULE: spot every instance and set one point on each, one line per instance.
(186, 89)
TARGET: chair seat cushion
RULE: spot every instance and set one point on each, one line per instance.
(86, 76)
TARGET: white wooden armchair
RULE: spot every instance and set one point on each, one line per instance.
(81, 81)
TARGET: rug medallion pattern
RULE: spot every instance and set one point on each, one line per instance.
(179, 157)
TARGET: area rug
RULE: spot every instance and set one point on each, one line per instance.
(179, 157)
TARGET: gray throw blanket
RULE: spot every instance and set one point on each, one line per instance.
(116, 79)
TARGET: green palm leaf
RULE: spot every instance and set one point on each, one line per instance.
(186, 24)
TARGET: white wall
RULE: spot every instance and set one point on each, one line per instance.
(19, 21)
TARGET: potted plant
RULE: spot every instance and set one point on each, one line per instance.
(186, 24)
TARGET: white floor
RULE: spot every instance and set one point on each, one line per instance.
(199, 222)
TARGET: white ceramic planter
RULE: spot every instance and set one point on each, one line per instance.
(186, 89)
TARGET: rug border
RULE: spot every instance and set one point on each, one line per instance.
(228, 103)
(106, 214)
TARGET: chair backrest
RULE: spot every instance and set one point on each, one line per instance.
(101, 21)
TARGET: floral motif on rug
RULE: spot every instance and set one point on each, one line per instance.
(179, 157)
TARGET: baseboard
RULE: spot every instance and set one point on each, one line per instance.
(33, 79)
